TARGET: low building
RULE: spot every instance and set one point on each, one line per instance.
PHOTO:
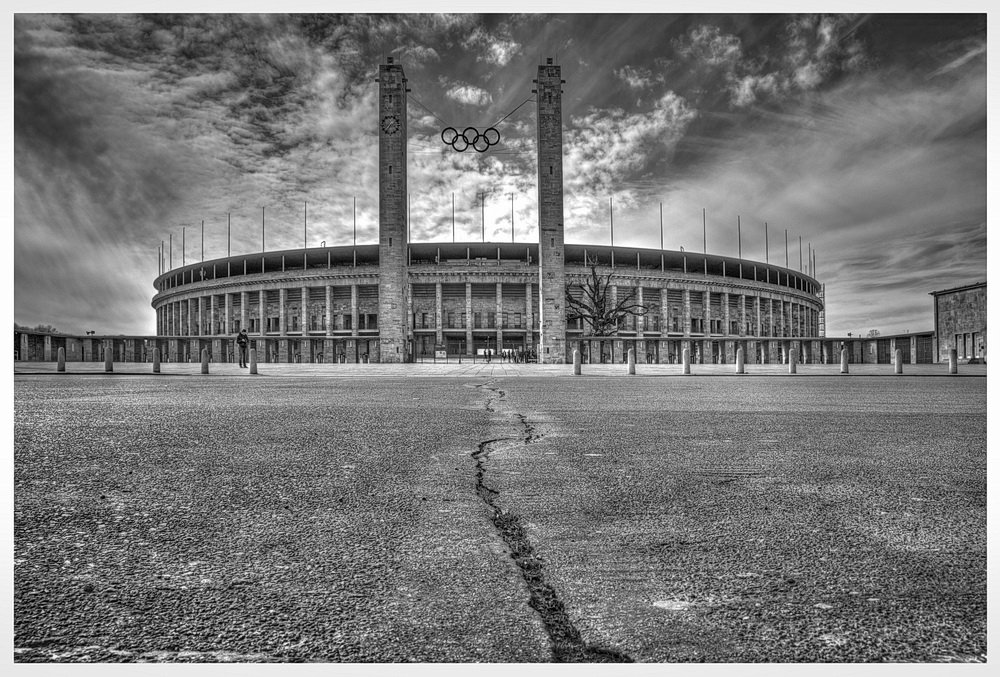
(960, 322)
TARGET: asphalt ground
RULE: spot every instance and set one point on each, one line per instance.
(495, 519)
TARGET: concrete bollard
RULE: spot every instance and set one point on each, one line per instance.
(739, 361)
(686, 359)
(898, 359)
(108, 365)
(156, 360)
(253, 360)
(843, 361)
(61, 360)
(791, 361)
(952, 361)
(576, 363)
(631, 361)
(204, 360)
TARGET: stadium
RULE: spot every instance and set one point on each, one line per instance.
(399, 301)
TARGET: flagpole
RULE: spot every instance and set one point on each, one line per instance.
(183, 246)
(229, 234)
(511, 217)
(305, 225)
(203, 240)
(262, 248)
(739, 237)
(661, 226)
(704, 229)
(612, 212)
(355, 220)
(171, 251)
(765, 243)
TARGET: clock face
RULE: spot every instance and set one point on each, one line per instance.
(390, 124)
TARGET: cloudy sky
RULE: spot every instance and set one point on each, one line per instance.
(865, 136)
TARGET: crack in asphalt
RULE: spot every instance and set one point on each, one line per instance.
(568, 646)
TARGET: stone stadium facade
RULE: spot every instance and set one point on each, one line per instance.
(399, 301)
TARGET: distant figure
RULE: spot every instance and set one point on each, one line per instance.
(242, 341)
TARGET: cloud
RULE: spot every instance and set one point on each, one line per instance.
(810, 52)
(494, 47)
(638, 77)
(607, 150)
(469, 95)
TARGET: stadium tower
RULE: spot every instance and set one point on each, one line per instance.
(392, 192)
(551, 263)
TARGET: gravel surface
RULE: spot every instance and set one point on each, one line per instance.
(285, 519)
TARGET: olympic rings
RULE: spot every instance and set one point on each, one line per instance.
(470, 136)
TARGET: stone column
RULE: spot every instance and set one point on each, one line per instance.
(640, 321)
(686, 325)
(725, 315)
(282, 311)
(664, 317)
(438, 312)
(244, 310)
(499, 311)
(706, 309)
(201, 317)
(354, 309)
(468, 319)
(305, 311)
(530, 341)
(228, 329)
(262, 319)
(329, 312)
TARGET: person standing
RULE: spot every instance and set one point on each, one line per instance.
(242, 341)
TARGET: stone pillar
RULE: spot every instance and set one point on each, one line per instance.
(392, 209)
(529, 343)
(640, 320)
(244, 310)
(328, 320)
(228, 328)
(551, 263)
(305, 313)
(725, 314)
(213, 305)
(576, 362)
(664, 316)
(354, 309)
(201, 317)
(282, 311)
(438, 315)
(468, 319)
(686, 324)
(706, 308)
(499, 311)
(262, 320)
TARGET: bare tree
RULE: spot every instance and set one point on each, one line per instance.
(593, 302)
